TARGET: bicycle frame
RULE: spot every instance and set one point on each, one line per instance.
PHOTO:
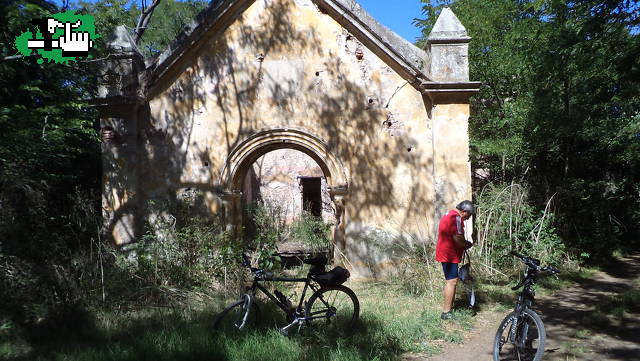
(524, 301)
(256, 285)
(523, 329)
(297, 313)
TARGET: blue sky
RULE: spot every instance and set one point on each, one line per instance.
(397, 15)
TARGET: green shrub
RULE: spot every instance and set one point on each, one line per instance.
(506, 221)
(179, 255)
(265, 229)
(311, 231)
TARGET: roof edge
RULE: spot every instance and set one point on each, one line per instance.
(413, 60)
(220, 14)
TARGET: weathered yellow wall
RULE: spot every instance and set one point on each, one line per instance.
(451, 150)
(283, 63)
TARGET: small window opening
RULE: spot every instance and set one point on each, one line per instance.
(312, 195)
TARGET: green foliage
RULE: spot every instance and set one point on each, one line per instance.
(506, 221)
(168, 20)
(50, 170)
(312, 232)
(559, 107)
(194, 255)
(266, 228)
(49, 179)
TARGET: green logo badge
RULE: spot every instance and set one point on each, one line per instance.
(59, 38)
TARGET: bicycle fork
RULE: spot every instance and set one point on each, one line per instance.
(515, 322)
(519, 330)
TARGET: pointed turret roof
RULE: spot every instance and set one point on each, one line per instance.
(448, 27)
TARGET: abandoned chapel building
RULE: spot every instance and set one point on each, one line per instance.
(302, 101)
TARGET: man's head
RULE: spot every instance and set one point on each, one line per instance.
(466, 209)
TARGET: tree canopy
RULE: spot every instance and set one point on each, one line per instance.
(559, 107)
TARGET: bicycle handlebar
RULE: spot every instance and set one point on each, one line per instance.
(550, 269)
(257, 272)
(531, 262)
(535, 263)
(517, 254)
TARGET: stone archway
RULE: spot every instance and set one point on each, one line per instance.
(248, 151)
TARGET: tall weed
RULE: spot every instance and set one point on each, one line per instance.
(311, 231)
(506, 221)
(178, 255)
(267, 230)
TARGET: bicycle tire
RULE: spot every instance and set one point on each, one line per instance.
(337, 305)
(237, 316)
(532, 347)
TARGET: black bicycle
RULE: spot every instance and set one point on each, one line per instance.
(330, 301)
(521, 335)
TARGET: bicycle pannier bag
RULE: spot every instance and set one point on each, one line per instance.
(335, 277)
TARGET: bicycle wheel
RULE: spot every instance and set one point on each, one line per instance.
(237, 315)
(528, 343)
(337, 307)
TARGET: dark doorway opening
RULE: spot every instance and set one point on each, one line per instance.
(312, 195)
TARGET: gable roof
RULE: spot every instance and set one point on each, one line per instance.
(407, 60)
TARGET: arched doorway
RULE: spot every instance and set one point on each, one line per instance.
(242, 157)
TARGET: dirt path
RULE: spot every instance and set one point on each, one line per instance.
(588, 321)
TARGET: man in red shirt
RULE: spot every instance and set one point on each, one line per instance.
(451, 244)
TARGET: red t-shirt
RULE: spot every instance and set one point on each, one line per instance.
(447, 250)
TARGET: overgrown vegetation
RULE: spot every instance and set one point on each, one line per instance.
(175, 259)
(507, 221)
(312, 232)
(267, 229)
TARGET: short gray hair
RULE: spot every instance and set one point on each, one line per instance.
(466, 206)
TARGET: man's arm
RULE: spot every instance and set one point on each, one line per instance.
(459, 239)
(458, 235)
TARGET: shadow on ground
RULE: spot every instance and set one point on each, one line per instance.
(597, 319)
(170, 335)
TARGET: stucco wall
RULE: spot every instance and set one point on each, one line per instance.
(286, 64)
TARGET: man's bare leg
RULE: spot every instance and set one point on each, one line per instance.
(449, 294)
